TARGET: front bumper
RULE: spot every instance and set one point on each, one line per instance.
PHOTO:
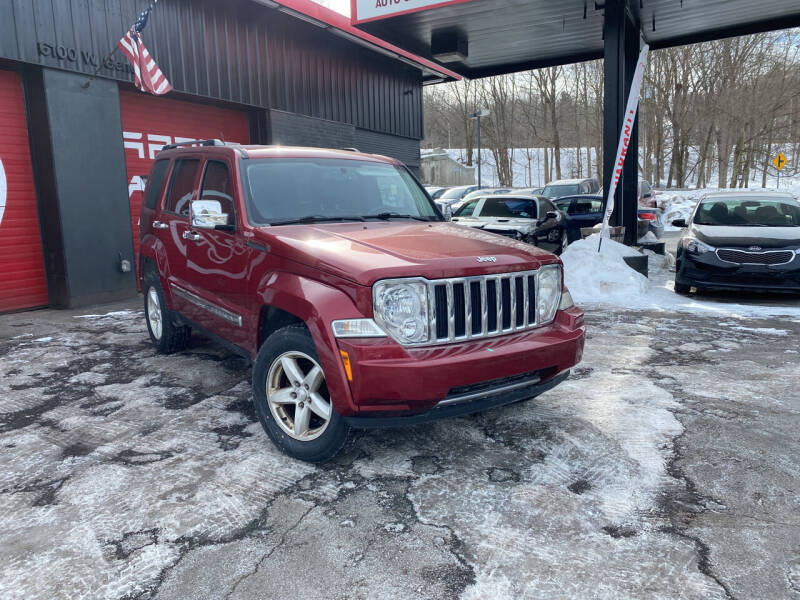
(708, 271)
(393, 382)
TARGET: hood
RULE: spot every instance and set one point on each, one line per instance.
(366, 252)
(766, 237)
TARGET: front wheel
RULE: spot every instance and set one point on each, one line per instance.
(564, 242)
(292, 399)
(682, 288)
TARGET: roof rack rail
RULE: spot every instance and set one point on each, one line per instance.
(351, 149)
(194, 143)
(210, 142)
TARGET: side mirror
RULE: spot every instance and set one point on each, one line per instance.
(679, 223)
(207, 214)
(551, 214)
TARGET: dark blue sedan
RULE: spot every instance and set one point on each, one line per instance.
(586, 210)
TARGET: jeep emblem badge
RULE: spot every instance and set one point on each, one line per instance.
(487, 259)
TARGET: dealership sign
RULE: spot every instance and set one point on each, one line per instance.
(370, 10)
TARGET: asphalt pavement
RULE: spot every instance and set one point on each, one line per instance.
(667, 466)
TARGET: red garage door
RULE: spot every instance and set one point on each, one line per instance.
(148, 123)
(22, 278)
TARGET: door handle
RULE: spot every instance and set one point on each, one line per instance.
(191, 235)
(160, 225)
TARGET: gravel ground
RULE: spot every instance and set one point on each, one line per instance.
(667, 466)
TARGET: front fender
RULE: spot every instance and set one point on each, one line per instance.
(153, 249)
(317, 304)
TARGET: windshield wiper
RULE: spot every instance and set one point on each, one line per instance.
(385, 216)
(317, 219)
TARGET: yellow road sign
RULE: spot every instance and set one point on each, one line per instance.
(779, 161)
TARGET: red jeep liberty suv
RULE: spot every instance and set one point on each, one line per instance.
(336, 273)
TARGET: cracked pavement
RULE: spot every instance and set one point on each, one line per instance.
(667, 466)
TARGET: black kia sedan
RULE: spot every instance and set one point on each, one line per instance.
(740, 240)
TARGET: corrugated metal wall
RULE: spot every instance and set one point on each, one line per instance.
(232, 50)
(295, 130)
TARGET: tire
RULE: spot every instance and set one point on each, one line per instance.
(564, 242)
(167, 337)
(288, 378)
(682, 288)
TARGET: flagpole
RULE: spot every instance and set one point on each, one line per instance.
(110, 54)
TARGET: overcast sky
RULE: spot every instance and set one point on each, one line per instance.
(340, 6)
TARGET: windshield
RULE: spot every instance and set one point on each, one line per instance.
(554, 191)
(285, 190)
(748, 212)
(509, 208)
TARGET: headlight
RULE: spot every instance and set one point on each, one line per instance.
(695, 246)
(549, 293)
(401, 308)
(356, 328)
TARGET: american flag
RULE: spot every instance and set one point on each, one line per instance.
(147, 76)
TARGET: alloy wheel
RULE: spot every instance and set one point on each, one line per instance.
(298, 397)
(154, 315)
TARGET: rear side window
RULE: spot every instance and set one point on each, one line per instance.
(156, 184)
(217, 186)
(181, 186)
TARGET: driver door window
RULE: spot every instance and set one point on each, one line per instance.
(181, 186)
(217, 186)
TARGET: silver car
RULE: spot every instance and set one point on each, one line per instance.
(531, 219)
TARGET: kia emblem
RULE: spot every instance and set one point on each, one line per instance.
(754, 248)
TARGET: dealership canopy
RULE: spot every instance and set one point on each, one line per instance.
(479, 38)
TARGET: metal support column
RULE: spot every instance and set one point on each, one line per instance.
(621, 51)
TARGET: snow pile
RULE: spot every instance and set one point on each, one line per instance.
(604, 278)
(593, 276)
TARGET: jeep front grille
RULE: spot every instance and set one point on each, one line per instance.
(767, 257)
(476, 307)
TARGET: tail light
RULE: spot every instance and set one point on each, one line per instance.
(648, 216)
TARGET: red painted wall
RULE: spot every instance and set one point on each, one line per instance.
(23, 283)
(150, 122)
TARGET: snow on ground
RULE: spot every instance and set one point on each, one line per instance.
(528, 169)
(603, 278)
